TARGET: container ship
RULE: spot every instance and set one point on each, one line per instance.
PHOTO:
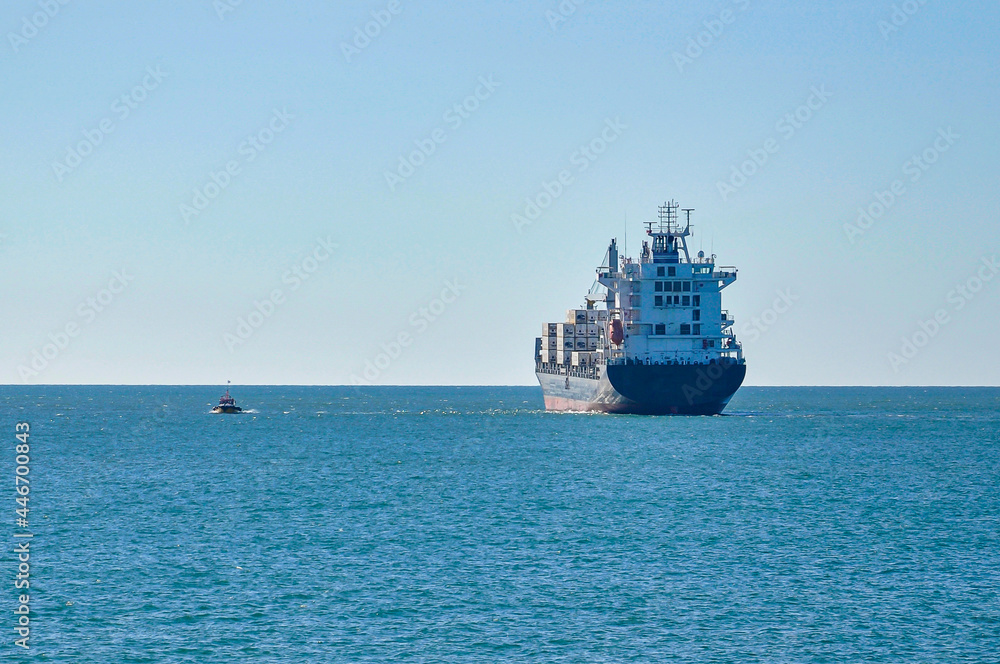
(652, 338)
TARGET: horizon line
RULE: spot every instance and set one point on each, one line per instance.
(3, 385)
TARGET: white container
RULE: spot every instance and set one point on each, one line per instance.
(546, 356)
(566, 330)
(564, 357)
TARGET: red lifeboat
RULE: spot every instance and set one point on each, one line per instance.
(617, 332)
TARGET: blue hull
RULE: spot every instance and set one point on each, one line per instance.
(643, 389)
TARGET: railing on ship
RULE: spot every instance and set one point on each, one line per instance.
(631, 361)
(592, 371)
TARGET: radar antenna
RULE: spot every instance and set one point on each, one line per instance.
(668, 215)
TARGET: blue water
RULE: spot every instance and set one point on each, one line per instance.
(467, 525)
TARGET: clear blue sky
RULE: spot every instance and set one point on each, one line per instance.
(328, 125)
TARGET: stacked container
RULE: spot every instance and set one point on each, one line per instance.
(573, 342)
(565, 329)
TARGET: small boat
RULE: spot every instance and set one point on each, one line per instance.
(227, 404)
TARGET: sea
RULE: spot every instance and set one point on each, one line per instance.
(466, 524)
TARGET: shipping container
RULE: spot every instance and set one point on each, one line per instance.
(591, 343)
(566, 343)
(581, 343)
(592, 330)
(549, 329)
(550, 343)
(602, 315)
(591, 315)
(566, 330)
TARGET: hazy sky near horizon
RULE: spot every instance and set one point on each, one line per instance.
(195, 192)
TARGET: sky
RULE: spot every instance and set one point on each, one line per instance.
(404, 192)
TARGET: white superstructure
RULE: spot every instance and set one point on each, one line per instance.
(670, 304)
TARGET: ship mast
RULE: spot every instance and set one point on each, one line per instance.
(669, 238)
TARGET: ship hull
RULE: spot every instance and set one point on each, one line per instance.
(642, 389)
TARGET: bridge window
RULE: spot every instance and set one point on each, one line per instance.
(687, 285)
(671, 271)
(685, 328)
(696, 314)
(686, 301)
(658, 301)
(659, 271)
(661, 329)
(696, 299)
(697, 330)
(658, 287)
